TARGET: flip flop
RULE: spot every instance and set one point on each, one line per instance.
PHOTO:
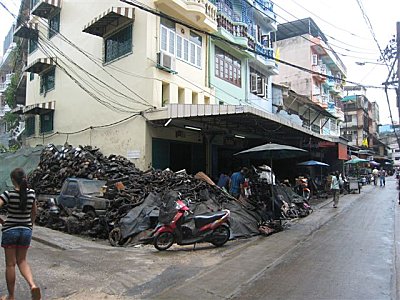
(35, 292)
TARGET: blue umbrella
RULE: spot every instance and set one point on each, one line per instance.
(312, 163)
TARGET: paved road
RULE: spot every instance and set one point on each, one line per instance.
(344, 253)
(351, 257)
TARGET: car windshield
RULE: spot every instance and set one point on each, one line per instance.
(92, 187)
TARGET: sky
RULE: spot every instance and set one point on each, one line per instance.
(343, 24)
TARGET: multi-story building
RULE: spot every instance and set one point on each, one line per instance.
(361, 118)
(239, 75)
(302, 43)
(150, 86)
(6, 73)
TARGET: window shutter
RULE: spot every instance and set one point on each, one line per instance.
(198, 63)
(186, 50)
(171, 46)
(253, 82)
(260, 86)
(164, 38)
(314, 59)
(192, 53)
(178, 46)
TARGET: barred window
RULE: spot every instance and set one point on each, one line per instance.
(54, 25)
(118, 44)
(48, 81)
(30, 126)
(46, 122)
(227, 67)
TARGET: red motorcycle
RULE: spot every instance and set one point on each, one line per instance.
(184, 228)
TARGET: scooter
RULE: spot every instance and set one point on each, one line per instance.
(302, 189)
(186, 228)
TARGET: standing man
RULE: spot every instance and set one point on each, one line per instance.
(335, 187)
(236, 184)
(382, 177)
(375, 173)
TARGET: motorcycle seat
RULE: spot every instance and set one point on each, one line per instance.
(207, 218)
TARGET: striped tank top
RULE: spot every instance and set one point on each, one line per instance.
(15, 216)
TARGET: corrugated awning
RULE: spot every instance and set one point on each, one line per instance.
(27, 31)
(111, 18)
(18, 110)
(41, 64)
(39, 108)
(45, 8)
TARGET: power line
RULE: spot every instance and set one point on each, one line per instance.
(152, 11)
(5, 7)
(302, 36)
(333, 25)
(371, 29)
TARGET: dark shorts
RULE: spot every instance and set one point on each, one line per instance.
(16, 238)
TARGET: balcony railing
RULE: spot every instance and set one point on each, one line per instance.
(202, 13)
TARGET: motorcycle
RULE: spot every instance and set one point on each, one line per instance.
(185, 228)
(302, 188)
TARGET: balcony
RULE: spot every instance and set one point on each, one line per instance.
(6, 83)
(27, 31)
(265, 10)
(236, 32)
(201, 13)
(267, 59)
(45, 8)
(320, 72)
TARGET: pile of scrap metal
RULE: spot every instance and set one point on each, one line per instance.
(135, 195)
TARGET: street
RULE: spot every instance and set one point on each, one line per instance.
(343, 253)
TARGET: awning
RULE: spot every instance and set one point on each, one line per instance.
(27, 31)
(40, 65)
(17, 111)
(45, 8)
(110, 19)
(241, 119)
(39, 108)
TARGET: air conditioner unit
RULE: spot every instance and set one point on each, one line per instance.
(166, 61)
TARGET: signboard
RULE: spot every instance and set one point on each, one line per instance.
(342, 152)
(326, 144)
(133, 154)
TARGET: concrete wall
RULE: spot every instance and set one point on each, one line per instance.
(75, 110)
(296, 50)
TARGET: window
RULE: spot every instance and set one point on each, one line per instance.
(348, 118)
(33, 45)
(227, 67)
(258, 83)
(72, 189)
(188, 50)
(54, 25)
(30, 126)
(46, 122)
(31, 76)
(47, 81)
(118, 44)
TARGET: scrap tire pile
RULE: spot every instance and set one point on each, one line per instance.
(56, 165)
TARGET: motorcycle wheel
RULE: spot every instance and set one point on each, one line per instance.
(163, 241)
(306, 195)
(116, 240)
(220, 236)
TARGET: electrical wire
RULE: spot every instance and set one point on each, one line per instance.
(371, 29)
(333, 25)
(152, 11)
(98, 81)
(302, 36)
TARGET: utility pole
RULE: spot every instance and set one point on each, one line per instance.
(398, 67)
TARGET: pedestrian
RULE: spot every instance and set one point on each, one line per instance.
(375, 173)
(382, 177)
(236, 183)
(335, 188)
(17, 232)
(223, 181)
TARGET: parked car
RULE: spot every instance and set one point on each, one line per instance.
(84, 195)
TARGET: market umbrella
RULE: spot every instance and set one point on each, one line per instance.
(374, 163)
(272, 151)
(355, 161)
(312, 163)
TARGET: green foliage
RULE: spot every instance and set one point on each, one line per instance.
(11, 91)
(12, 120)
